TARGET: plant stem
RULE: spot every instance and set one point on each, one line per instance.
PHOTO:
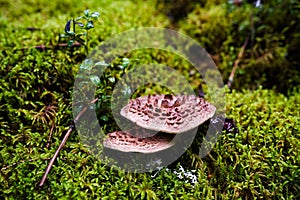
(87, 42)
(74, 25)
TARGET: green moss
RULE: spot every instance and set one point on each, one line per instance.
(261, 161)
(269, 58)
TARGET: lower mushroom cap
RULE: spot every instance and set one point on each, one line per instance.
(126, 142)
(168, 113)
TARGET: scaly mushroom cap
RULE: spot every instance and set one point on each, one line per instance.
(124, 141)
(168, 113)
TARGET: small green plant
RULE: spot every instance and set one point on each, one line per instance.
(74, 35)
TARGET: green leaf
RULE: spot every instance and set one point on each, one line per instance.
(102, 64)
(143, 194)
(86, 13)
(70, 42)
(79, 24)
(68, 26)
(112, 79)
(104, 118)
(64, 35)
(89, 25)
(95, 79)
(125, 62)
(79, 18)
(95, 15)
(86, 65)
(81, 34)
(69, 34)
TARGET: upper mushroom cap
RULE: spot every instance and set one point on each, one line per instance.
(124, 141)
(168, 113)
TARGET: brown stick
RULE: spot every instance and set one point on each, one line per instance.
(44, 48)
(63, 143)
(236, 63)
(50, 135)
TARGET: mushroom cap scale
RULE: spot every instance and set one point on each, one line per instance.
(126, 142)
(168, 113)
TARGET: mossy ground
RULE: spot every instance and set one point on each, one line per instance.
(261, 161)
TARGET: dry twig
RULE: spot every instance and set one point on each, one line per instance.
(44, 48)
(236, 63)
(72, 126)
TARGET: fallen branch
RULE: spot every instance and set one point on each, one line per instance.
(72, 126)
(44, 48)
(236, 63)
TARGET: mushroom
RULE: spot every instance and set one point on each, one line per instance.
(168, 113)
(124, 141)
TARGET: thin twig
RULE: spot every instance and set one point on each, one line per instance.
(72, 126)
(236, 63)
(50, 135)
(44, 48)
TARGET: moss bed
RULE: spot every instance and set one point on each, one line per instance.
(261, 161)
